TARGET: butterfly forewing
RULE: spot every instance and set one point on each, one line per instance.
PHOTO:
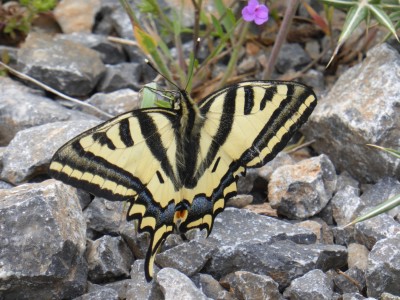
(266, 114)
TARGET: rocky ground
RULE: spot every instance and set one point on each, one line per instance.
(57, 242)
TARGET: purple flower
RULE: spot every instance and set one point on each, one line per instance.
(254, 11)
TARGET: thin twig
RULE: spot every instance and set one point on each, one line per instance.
(53, 91)
(122, 41)
(351, 279)
(281, 37)
(303, 145)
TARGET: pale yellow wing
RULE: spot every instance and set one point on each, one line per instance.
(245, 126)
(131, 157)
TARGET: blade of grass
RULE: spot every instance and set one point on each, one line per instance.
(340, 3)
(354, 17)
(383, 19)
(317, 18)
(381, 208)
(388, 150)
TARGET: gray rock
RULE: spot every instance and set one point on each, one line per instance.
(343, 235)
(22, 107)
(176, 286)
(102, 293)
(138, 243)
(76, 16)
(211, 287)
(105, 217)
(345, 179)
(234, 227)
(122, 25)
(116, 103)
(258, 178)
(110, 53)
(313, 285)
(313, 48)
(281, 260)
(104, 24)
(383, 273)
(388, 296)
(361, 108)
(314, 78)
(42, 242)
(121, 287)
(328, 256)
(320, 228)
(5, 185)
(302, 190)
(108, 258)
(384, 189)
(139, 288)
(358, 256)
(372, 230)
(188, 258)
(346, 205)
(292, 56)
(326, 214)
(351, 281)
(121, 22)
(28, 154)
(246, 285)
(354, 296)
(239, 201)
(121, 76)
(63, 65)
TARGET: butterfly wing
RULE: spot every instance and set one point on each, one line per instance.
(245, 126)
(131, 157)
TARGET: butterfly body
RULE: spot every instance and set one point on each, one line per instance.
(178, 166)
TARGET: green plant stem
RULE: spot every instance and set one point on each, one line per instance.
(196, 27)
(281, 37)
(235, 54)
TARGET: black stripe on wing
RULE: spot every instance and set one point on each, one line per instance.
(283, 113)
(78, 159)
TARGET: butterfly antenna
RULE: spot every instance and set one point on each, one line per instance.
(162, 75)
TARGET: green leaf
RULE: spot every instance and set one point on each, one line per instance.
(395, 16)
(177, 24)
(217, 26)
(228, 18)
(383, 19)
(193, 63)
(145, 41)
(354, 17)
(341, 3)
(381, 208)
